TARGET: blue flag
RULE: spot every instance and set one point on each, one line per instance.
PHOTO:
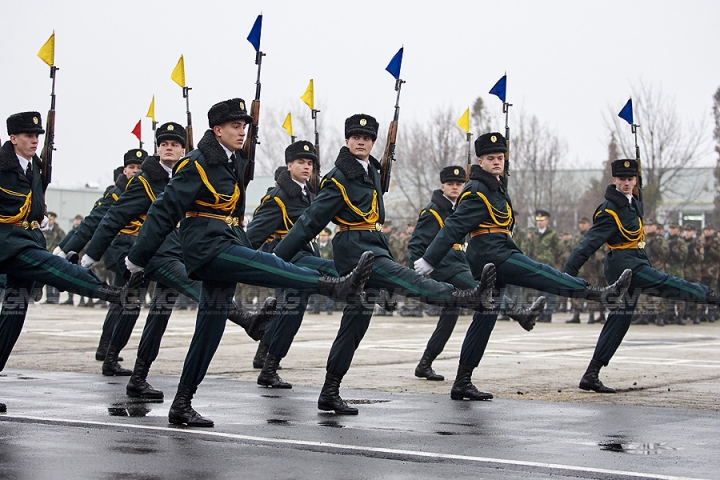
(499, 88)
(254, 36)
(626, 113)
(395, 64)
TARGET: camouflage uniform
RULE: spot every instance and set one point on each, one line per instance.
(656, 249)
(675, 265)
(693, 269)
(711, 265)
(53, 237)
(544, 247)
(592, 271)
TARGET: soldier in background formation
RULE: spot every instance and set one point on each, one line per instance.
(53, 236)
(324, 247)
(544, 247)
(592, 271)
(675, 266)
(710, 266)
(652, 308)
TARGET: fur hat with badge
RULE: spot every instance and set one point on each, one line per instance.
(492, 142)
(135, 155)
(361, 124)
(228, 111)
(24, 122)
(171, 131)
(625, 168)
(300, 149)
(452, 174)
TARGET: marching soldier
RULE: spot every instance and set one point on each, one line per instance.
(53, 236)
(24, 258)
(484, 211)
(207, 193)
(675, 266)
(453, 269)
(351, 197)
(618, 224)
(693, 268)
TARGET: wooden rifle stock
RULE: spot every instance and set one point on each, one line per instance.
(251, 140)
(190, 144)
(47, 151)
(388, 157)
(316, 175)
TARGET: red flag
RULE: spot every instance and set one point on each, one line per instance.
(137, 130)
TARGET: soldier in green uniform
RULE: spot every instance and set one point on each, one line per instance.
(591, 271)
(693, 269)
(24, 258)
(484, 211)
(711, 265)
(207, 196)
(325, 250)
(453, 269)
(656, 250)
(675, 266)
(351, 196)
(277, 213)
(53, 236)
(543, 246)
(618, 224)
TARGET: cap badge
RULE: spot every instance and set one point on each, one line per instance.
(306, 148)
(138, 154)
(493, 139)
(627, 164)
(242, 105)
(363, 122)
(456, 171)
(35, 120)
(170, 128)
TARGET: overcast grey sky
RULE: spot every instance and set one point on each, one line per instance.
(567, 62)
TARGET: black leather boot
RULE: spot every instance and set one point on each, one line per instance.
(254, 323)
(268, 376)
(330, 400)
(181, 411)
(138, 386)
(111, 367)
(3, 408)
(612, 296)
(350, 286)
(590, 380)
(103, 346)
(479, 298)
(463, 387)
(713, 298)
(260, 354)
(527, 317)
(591, 318)
(424, 368)
(575, 318)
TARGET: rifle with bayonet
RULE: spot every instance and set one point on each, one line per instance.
(251, 139)
(190, 144)
(316, 175)
(49, 145)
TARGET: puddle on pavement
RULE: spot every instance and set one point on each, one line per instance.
(130, 409)
(271, 396)
(445, 433)
(277, 421)
(366, 402)
(621, 445)
(331, 424)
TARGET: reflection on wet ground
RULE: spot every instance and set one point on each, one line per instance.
(621, 444)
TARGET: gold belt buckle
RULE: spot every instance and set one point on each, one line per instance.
(641, 244)
(378, 227)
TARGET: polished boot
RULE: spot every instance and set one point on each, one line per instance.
(253, 323)
(590, 380)
(575, 318)
(138, 386)
(424, 368)
(612, 296)
(350, 286)
(181, 411)
(527, 317)
(3, 408)
(591, 318)
(268, 376)
(713, 298)
(260, 354)
(111, 367)
(463, 387)
(479, 298)
(102, 348)
(330, 400)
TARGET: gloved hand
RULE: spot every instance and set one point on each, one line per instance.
(59, 252)
(88, 262)
(44, 224)
(422, 267)
(132, 268)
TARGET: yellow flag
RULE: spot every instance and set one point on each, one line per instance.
(287, 124)
(309, 96)
(464, 121)
(151, 110)
(178, 73)
(47, 51)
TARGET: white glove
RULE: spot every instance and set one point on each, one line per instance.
(422, 267)
(88, 262)
(44, 224)
(132, 268)
(59, 252)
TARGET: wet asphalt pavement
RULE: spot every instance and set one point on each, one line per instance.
(79, 425)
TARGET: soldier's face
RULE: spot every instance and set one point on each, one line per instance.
(625, 184)
(323, 238)
(300, 169)
(170, 151)
(541, 224)
(131, 170)
(25, 144)
(231, 134)
(360, 146)
(493, 163)
(650, 228)
(708, 232)
(674, 231)
(584, 226)
(452, 189)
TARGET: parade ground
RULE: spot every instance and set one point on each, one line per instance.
(65, 420)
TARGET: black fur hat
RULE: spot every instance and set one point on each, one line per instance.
(117, 172)
(24, 122)
(227, 111)
(300, 149)
(452, 174)
(492, 142)
(171, 131)
(278, 171)
(135, 155)
(625, 167)
(361, 124)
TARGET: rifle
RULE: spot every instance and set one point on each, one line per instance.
(638, 187)
(315, 179)
(389, 153)
(251, 139)
(506, 169)
(469, 155)
(189, 144)
(49, 145)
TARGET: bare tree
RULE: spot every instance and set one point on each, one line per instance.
(716, 136)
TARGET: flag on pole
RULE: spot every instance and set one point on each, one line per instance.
(464, 121)
(254, 36)
(499, 88)
(627, 112)
(309, 96)
(151, 110)
(178, 73)
(395, 64)
(287, 124)
(47, 51)
(137, 131)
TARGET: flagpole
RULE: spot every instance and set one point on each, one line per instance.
(500, 90)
